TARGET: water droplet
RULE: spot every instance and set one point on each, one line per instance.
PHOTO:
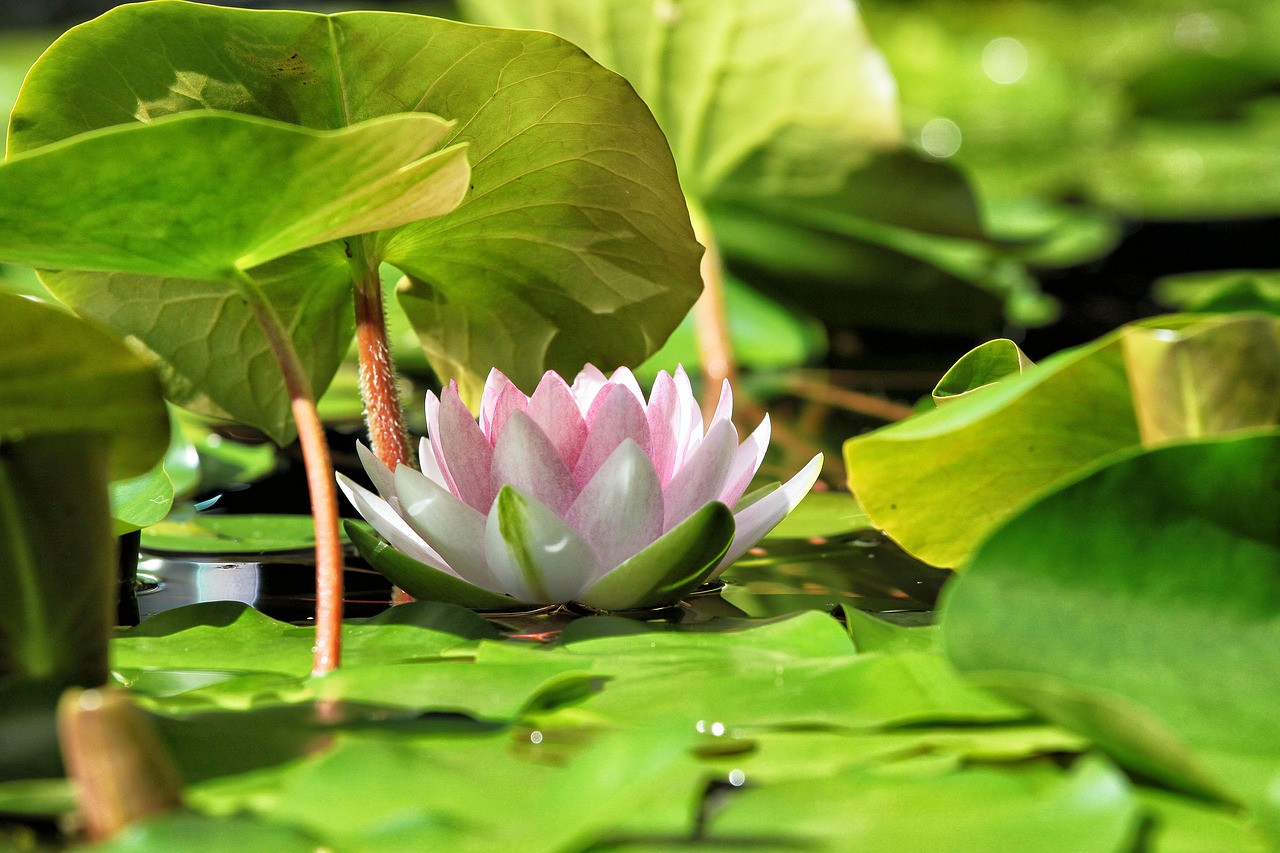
(737, 777)
(779, 669)
(940, 137)
(701, 726)
(535, 736)
(1004, 60)
(717, 729)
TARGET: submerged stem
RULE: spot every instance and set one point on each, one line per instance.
(384, 415)
(711, 319)
(320, 479)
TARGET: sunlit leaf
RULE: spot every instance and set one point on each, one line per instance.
(980, 367)
(1036, 809)
(573, 243)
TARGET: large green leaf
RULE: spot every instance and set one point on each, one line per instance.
(309, 290)
(1140, 605)
(176, 207)
(940, 481)
(573, 243)
(207, 194)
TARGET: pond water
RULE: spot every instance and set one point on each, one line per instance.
(863, 570)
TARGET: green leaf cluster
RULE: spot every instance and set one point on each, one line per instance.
(779, 733)
(228, 143)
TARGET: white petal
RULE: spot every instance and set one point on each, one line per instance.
(624, 377)
(453, 529)
(378, 473)
(702, 478)
(391, 526)
(620, 509)
(746, 462)
(763, 515)
(534, 553)
(724, 407)
(586, 385)
(689, 432)
(430, 465)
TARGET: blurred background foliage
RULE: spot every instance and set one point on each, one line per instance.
(1108, 145)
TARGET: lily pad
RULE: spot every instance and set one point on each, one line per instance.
(231, 535)
(1157, 574)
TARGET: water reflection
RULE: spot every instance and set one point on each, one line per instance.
(863, 570)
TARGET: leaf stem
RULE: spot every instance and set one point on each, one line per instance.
(384, 416)
(711, 318)
(321, 482)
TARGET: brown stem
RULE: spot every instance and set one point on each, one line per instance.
(853, 401)
(384, 415)
(711, 319)
(320, 480)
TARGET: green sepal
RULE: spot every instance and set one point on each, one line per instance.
(672, 566)
(420, 580)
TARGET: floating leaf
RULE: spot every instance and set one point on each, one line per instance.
(230, 535)
(1156, 573)
(940, 481)
(1036, 809)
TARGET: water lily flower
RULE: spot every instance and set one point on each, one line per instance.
(584, 492)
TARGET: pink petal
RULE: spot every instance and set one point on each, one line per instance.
(453, 529)
(432, 440)
(763, 515)
(663, 416)
(464, 452)
(586, 385)
(615, 416)
(391, 526)
(379, 474)
(553, 408)
(620, 509)
(536, 555)
(702, 478)
(624, 377)
(501, 398)
(746, 462)
(527, 460)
